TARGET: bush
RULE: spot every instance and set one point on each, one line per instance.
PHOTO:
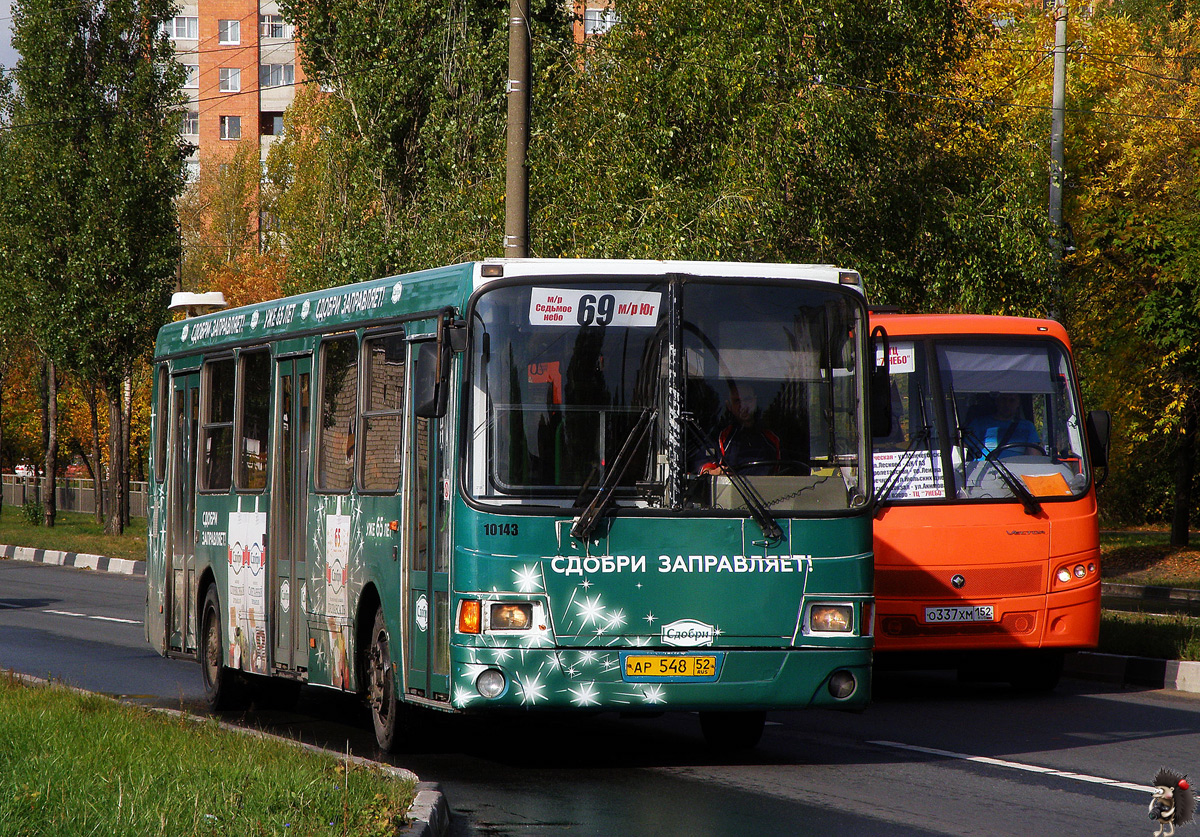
(34, 512)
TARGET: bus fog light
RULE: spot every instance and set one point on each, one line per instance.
(831, 618)
(1080, 572)
(511, 617)
(842, 684)
(490, 683)
(1064, 575)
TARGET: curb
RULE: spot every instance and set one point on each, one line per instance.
(1134, 671)
(79, 560)
(429, 813)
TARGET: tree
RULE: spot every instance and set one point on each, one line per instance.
(832, 132)
(92, 163)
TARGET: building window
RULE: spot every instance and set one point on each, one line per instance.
(191, 123)
(270, 124)
(276, 75)
(182, 28)
(231, 127)
(598, 21)
(229, 31)
(231, 79)
(272, 26)
(192, 77)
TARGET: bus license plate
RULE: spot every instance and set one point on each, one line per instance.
(975, 613)
(660, 667)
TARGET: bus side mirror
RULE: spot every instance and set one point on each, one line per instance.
(431, 384)
(1099, 428)
(880, 384)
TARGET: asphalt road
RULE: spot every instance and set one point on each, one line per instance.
(931, 755)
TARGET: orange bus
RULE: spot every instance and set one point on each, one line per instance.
(987, 554)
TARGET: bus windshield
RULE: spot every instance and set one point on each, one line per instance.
(1001, 416)
(743, 379)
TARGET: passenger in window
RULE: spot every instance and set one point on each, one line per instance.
(741, 444)
(1003, 430)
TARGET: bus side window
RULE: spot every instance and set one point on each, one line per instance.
(216, 450)
(339, 414)
(255, 415)
(383, 401)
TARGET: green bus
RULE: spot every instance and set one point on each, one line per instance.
(506, 485)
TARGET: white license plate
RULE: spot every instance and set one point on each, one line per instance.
(960, 613)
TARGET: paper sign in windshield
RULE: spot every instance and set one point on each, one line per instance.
(902, 358)
(920, 478)
(575, 307)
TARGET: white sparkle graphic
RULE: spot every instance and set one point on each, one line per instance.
(591, 610)
(654, 694)
(650, 618)
(616, 620)
(586, 658)
(532, 690)
(528, 578)
(587, 584)
(585, 695)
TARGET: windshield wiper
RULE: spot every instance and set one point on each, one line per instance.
(753, 500)
(586, 522)
(1028, 501)
(902, 464)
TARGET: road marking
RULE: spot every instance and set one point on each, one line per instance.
(96, 618)
(1016, 765)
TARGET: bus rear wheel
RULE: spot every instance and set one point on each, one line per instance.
(732, 731)
(381, 687)
(223, 687)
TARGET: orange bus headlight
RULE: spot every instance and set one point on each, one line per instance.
(831, 618)
(511, 617)
(469, 611)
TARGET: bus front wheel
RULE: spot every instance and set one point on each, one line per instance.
(381, 687)
(732, 731)
(223, 687)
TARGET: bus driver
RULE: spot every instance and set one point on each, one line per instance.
(742, 444)
(1004, 431)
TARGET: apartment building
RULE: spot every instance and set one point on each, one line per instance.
(242, 73)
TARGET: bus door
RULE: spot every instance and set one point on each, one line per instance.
(181, 513)
(289, 509)
(428, 601)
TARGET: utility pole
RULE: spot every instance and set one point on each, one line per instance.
(516, 180)
(1058, 97)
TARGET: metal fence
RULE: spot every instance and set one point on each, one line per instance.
(75, 495)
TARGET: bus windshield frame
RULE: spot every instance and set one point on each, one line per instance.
(561, 373)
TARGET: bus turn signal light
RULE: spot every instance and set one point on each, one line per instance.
(468, 616)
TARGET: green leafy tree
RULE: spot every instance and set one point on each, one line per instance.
(826, 131)
(92, 162)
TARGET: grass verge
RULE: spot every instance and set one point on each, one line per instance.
(73, 764)
(1141, 556)
(1149, 635)
(73, 532)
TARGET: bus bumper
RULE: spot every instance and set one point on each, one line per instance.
(597, 680)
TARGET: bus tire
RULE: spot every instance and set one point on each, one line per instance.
(381, 686)
(224, 688)
(732, 731)
(1039, 672)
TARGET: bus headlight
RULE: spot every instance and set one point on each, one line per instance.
(507, 616)
(830, 618)
(490, 683)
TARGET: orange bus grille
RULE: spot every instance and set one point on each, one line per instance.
(980, 582)
(1012, 624)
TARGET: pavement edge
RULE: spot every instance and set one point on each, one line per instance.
(79, 560)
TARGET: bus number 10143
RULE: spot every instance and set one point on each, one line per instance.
(509, 529)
